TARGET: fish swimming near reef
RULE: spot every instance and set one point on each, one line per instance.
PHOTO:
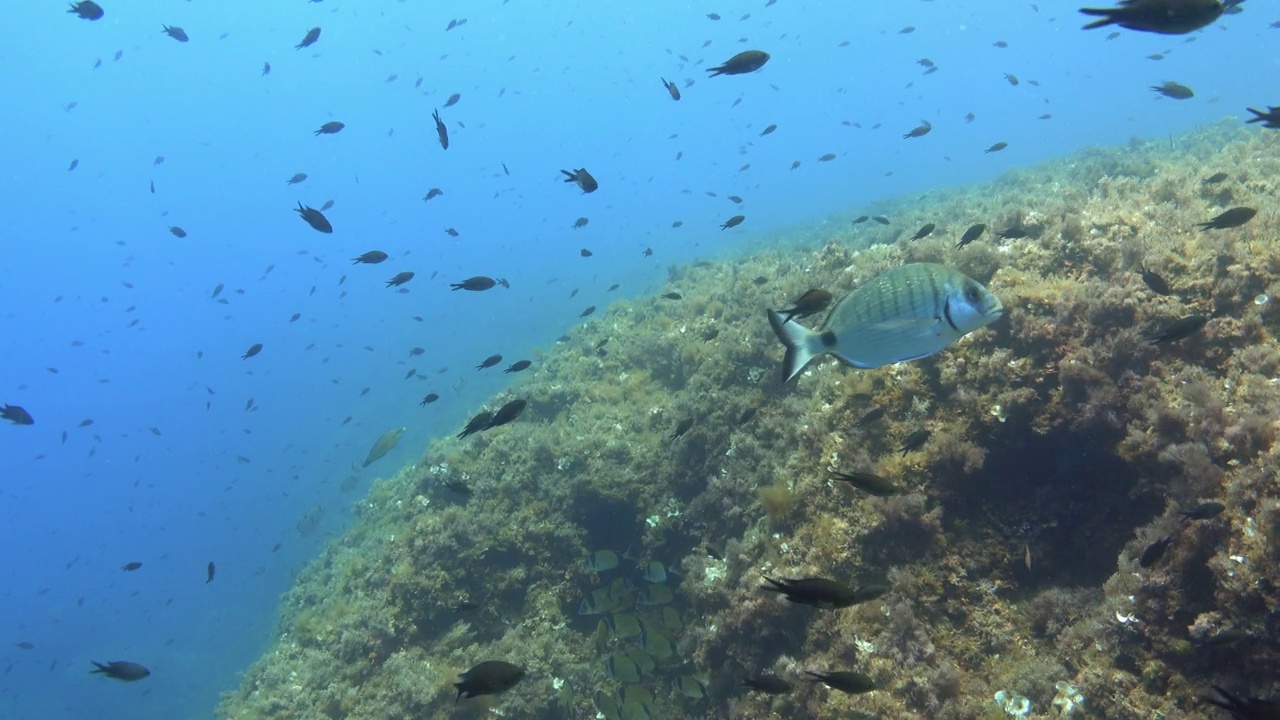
(122, 670)
(383, 446)
(906, 313)
(488, 678)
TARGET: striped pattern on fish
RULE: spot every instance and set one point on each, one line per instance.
(903, 314)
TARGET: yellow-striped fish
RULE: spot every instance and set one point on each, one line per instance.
(903, 314)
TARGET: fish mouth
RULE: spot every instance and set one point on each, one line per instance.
(995, 311)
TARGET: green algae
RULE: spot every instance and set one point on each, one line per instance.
(1062, 443)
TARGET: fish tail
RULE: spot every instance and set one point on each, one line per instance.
(797, 339)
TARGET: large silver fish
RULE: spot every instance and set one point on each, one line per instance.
(903, 314)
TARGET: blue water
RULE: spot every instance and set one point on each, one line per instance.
(545, 86)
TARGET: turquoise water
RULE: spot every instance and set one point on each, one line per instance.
(175, 472)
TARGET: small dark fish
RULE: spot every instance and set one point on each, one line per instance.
(819, 592)
(330, 128)
(734, 221)
(254, 349)
(811, 302)
(517, 366)
(861, 219)
(209, 571)
(583, 179)
(1244, 708)
(1235, 217)
(297, 178)
(997, 147)
(923, 232)
(489, 362)
(176, 33)
(309, 39)
(585, 252)
(1269, 119)
(850, 682)
(683, 427)
(735, 199)
(314, 218)
(613, 287)
(432, 193)
(475, 284)
(769, 130)
(880, 219)
(1155, 282)
(747, 414)
(1215, 178)
(1166, 17)
(25, 646)
(130, 567)
(476, 424)
(671, 89)
(490, 677)
(869, 483)
(914, 441)
(871, 416)
(217, 290)
(1203, 511)
(1156, 550)
(1012, 79)
(1181, 329)
(451, 232)
(121, 670)
(87, 10)
(827, 158)
(767, 683)
(795, 164)
(430, 398)
(458, 487)
(400, 279)
(907, 30)
(16, 415)
(744, 62)
(1000, 44)
(327, 204)
(442, 132)
(673, 296)
(1171, 89)
(177, 231)
(74, 164)
(973, 233)
(587, 312)
(373, 257)
(1013, 233)
(266, 68)
(506, 414)
(919, 131)
(580, 223)
(713, 16)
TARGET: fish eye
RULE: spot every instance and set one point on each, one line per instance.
(971, 294)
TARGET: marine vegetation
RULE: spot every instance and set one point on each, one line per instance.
(986, 513)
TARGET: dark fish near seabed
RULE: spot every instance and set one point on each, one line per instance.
(1246, 707)
(997, 147)
(1203, 511)
(1235, 217)
(506, 414)
(1156, 550)
(869, 483)
(683, 427)
(430, 398)
(734, 221)
(1180, 329)
(743, 62)
(1156, 283)
(442, 132)
(587, 312)
(1166, 17)
(903, 314)
(1269, 119)
(584, 180)
(400, 278)
(490, 677)
(811, 302)
(973, 233)
(489, 362)
(476, 424)
(1215, 178)
(871, 416)
(915, 441)
(518, 366)
(818, 592)
(923, 232)
(850, 682)
(121, 670)
(770, 684)
(254, 349)
(383, 446)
